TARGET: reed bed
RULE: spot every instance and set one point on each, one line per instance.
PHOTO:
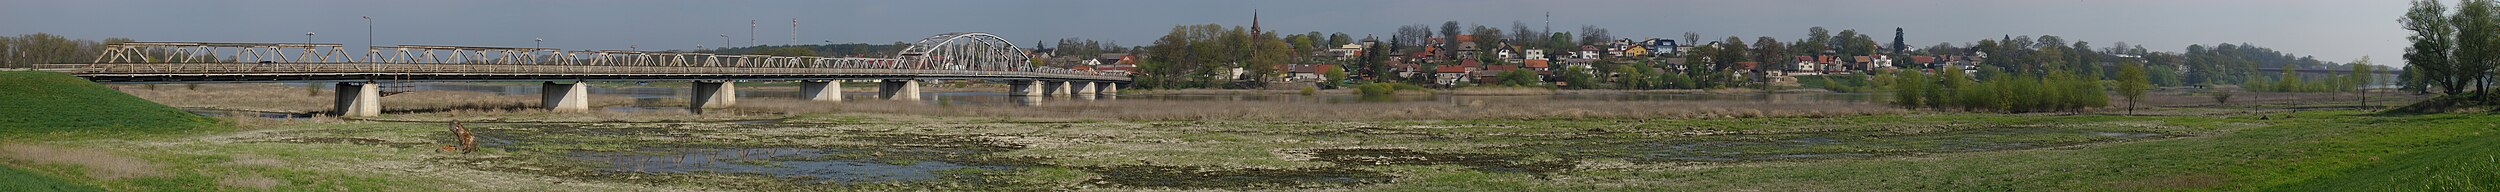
(1256, 110)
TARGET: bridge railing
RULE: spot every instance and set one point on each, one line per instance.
(552, 70)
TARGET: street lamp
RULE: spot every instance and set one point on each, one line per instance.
(724, 41)
(538, 42)
(369, 51)
(308, 35)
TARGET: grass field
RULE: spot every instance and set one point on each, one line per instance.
(2269, 147)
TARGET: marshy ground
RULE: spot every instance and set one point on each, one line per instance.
(2259, 146)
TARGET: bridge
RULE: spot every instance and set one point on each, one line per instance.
(948, 56)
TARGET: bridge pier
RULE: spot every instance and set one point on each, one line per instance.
(1053, 88)
(899, 89)
(358, 99)
(559, 97)
(1107, 89)
(720, 94)
(1084, 90)
(820, 90)
(1024, 88)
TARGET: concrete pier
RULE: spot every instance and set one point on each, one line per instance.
(820, 90)
(899, 89)
(1024, 88)
(358, 99)
(721, 94)
(1083, 90)
(574, 97)
(1107, 88)
(1054, 88)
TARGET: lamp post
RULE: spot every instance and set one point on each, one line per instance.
(369, 51)
(538, 42)
(724, 41)
(308, 35)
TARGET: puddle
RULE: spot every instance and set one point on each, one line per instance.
(343, 140)
(243, 113)
(820, 165)
(1199, 178)
(1845, 144)
(1483, 162)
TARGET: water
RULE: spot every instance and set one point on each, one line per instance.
(235, 113)
(807, 164)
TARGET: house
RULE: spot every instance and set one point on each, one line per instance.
(1493, 73)
(1466, 50)
(1636, 51)
(1538, 65)
(1116, 68)
(1114, 58)
(1588, 52)
(1804, 63)
(1449, 75)
(1309, 72)
(1347, 51)
(1405, 69)
(1534, 54)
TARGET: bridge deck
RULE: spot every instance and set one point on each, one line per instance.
(263, 72)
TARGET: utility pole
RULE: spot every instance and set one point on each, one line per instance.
(794, 32)
(370, 52)
(1549, 24)
(751, 32)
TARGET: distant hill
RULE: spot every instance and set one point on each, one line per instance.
(45, 102)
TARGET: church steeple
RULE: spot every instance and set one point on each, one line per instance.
(1254, 23)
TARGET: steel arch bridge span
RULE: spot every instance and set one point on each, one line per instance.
(977, 51)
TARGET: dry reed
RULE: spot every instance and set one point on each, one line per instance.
(98, 164)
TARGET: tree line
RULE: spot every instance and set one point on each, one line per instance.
(2451, 54)
(24, 51)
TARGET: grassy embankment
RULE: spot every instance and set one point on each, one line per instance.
(49, 106)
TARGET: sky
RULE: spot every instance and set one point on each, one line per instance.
(2331, 30)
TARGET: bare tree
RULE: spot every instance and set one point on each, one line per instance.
(1593, 34)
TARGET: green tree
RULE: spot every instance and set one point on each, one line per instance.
(1336, 77)
(2132, 83)
(2477, 50)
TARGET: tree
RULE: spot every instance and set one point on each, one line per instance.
(1692, 38)
(1449, 39)
(2428, 62)
(1411, 35)
(1335, 77)
(2132, 83)
(2477, 48)
(1817, 41)
(2362, 77)
(1898, 45)
(1771, 53)
(1593, 34)
(1339, 38)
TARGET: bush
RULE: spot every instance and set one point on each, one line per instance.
(2006, 93)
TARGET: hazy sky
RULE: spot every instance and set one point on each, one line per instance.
(2332, 30)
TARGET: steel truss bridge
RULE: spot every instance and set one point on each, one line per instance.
(962, 55)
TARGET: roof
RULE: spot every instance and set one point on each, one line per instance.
(1922, 59)
(1748, 64)
(1449, 69)
(1501, 67)
(1805, 58)
(1112, 56)
(1538, 63)
(1861, 59)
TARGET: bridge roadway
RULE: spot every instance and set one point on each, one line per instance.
(949, 56)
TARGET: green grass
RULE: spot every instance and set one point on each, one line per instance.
(2459, 164)
(1838, 83)
(49, 105)
(22, 180)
